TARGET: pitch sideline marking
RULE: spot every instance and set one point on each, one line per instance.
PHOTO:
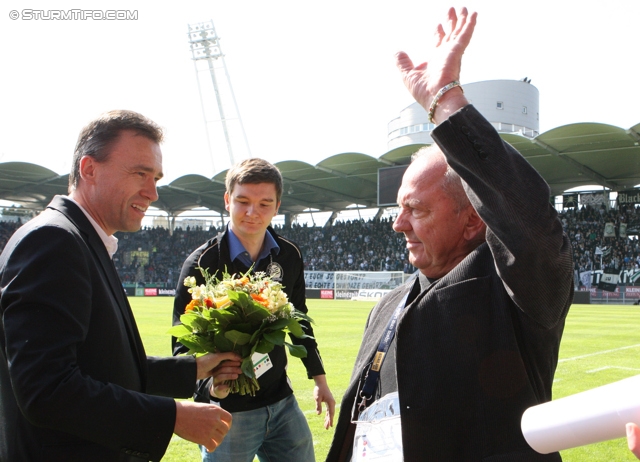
(592, 371)
(598, 353)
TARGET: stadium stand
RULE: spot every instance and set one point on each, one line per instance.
(154, 256)
(356, 245)
(593, 248)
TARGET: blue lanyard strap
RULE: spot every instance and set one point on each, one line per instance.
(371, 380)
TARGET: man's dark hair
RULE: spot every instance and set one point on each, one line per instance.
(96, 138)
(254, 171)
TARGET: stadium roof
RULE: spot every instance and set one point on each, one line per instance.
(567, 157)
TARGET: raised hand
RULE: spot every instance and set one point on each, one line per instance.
(426, 79)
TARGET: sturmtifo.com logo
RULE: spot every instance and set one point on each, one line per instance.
(74, 15)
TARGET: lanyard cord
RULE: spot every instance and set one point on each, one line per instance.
(373, 375)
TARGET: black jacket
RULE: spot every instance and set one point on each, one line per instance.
(479, 346)
(75, 382)
(214, 255)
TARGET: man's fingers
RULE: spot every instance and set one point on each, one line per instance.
(403, 62)
(438, 35)
(452, 20)
(224, 375)
(219, 431)
(227, 419)
(467, 27)
(211, 445)
(328, 419)
(633, 439)
(227, 356)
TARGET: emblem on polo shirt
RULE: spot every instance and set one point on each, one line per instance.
(274, 270)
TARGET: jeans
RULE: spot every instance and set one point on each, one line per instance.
(276, 433)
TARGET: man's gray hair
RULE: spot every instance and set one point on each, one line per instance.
(452, 184)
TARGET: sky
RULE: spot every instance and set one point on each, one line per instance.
(311, 79)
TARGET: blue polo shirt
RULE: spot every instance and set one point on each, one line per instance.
(237, 250)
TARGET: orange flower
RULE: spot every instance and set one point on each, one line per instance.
(222, 302)
(244, 280)
(192, 304)
(260, 299)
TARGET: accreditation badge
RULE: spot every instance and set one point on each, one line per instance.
(261, 363)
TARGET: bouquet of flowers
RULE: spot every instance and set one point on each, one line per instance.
(245, 313)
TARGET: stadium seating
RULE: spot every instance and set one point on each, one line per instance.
(153, 255)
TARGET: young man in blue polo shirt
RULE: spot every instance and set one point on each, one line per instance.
(269, 424)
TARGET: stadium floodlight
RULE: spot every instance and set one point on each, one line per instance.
(205, 50)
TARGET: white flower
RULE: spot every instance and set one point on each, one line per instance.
(198, 292)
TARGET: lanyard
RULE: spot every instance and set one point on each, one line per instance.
(371, 380)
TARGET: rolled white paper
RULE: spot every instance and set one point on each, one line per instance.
(589, 417)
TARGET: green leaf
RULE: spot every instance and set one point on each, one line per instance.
(190, 319)
(276, 325)
(256, 334)
(302, 317)
(256, 313)
(224, 316)
(238, 298)
(222, 343)
(195, 322)
(245, 351)
(237, 337)
(264, 346)
(295, 328)
(247, 367)
(208, 342)
(297, 350)
(277, 337)
(179, 330)
(193, 342)
(245, 327)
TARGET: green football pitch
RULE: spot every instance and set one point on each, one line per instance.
(600, 345)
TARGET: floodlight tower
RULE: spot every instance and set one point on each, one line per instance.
(225, 124)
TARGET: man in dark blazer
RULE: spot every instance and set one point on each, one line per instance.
(75, 382)
(476, 343)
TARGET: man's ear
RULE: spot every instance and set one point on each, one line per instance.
(226, 201)
(474, 228)
(88, 169)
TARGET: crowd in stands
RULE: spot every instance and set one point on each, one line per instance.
(154, 255)
(602, 239)
(346, 246)
(354, 245)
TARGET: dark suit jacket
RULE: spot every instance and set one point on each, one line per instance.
(479, 346)
(73, 370)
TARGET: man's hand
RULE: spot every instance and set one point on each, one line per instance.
(227, 370)
(204, 424)
(633, 439)
(424, 81)
(209, 363)
(322, 394)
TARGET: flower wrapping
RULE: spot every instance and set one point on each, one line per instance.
(244, 313)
